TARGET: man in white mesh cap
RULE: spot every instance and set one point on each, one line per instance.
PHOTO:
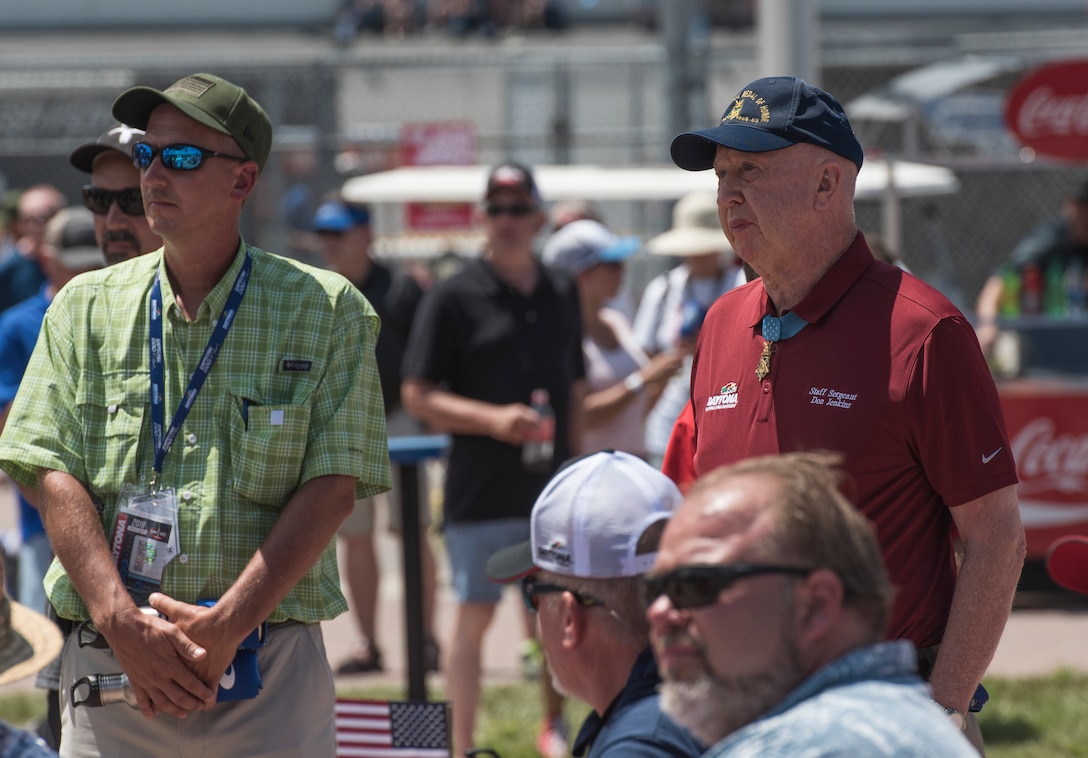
(594, 532)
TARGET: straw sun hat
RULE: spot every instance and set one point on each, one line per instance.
(28, 640)
(696, 229)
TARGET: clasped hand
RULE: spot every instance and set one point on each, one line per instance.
(174, 664)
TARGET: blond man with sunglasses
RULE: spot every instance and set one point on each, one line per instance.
(198, 422)
(768, 604)
(594, 530)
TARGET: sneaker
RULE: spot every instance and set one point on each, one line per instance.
(532, 660)
(551, 742)
(365, 662)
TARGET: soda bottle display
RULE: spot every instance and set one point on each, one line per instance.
(1074, 288)
(539, 447)
(1055, 300)
(1031, 296)
(1009, 305)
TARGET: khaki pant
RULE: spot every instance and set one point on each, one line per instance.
(292, 716)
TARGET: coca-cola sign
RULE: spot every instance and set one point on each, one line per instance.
(1048, 432)
(1047, 110)
(1049, 460)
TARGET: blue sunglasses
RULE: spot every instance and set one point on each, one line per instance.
(176, 157)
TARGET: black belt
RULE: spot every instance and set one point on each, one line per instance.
(90, 637)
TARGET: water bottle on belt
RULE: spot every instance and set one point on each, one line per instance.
(97, 690)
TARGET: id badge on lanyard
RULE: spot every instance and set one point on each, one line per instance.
(144, 539)
(145, 532)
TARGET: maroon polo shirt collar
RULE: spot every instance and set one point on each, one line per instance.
(830, 289)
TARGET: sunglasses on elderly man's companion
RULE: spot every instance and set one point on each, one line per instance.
(697, 586)
(98, 200)
(517, 210)
(531, 590)
(176, 157)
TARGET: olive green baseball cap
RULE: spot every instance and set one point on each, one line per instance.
(209, 100)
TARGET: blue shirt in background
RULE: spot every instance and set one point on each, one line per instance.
(868, 703)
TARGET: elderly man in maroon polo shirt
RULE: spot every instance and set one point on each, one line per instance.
(831, 349)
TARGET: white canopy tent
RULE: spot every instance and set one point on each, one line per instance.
(878, 180)
(448, 184)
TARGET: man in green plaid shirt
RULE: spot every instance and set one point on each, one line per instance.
(287, 429)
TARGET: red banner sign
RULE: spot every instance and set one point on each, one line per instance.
(1047, 110)
(434, 143)
(1048, 431)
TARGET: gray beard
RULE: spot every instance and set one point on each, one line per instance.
(712, 707)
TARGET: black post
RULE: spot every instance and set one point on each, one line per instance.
(413, 581)
(406, 453)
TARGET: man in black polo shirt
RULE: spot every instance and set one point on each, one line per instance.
(482, 341)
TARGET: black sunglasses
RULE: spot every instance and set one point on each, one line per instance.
(696, 586)
(176, 157)
(518, 210)
(531, 590)
(98, 200)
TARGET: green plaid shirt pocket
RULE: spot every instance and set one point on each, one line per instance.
(267, 449)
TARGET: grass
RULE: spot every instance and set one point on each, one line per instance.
(1025, 718)
(508, 718)
(1029, 718)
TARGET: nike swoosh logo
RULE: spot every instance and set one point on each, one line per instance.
(987, 458)
(227, 682)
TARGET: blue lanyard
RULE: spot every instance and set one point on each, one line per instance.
(163, 441)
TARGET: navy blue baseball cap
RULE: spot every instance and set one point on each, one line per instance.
(336, 216)
(770, 114)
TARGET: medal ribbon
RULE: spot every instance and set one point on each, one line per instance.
(163, 442)
(774, 329)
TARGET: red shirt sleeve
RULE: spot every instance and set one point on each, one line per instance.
(679, 462)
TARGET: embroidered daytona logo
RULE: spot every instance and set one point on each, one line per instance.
(726, 398)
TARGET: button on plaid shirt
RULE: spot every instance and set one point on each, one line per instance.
(293, 395)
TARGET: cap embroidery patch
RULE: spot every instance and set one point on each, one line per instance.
(191, 85)
(125, 134)
(508, 175)
(554, 551)
(736, 113)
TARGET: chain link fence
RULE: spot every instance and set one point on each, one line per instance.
(340, 113)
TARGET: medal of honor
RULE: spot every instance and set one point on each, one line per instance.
(764, 366)
(775, 329)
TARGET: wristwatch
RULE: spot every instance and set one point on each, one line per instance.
(956, 717)
(634, 382)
